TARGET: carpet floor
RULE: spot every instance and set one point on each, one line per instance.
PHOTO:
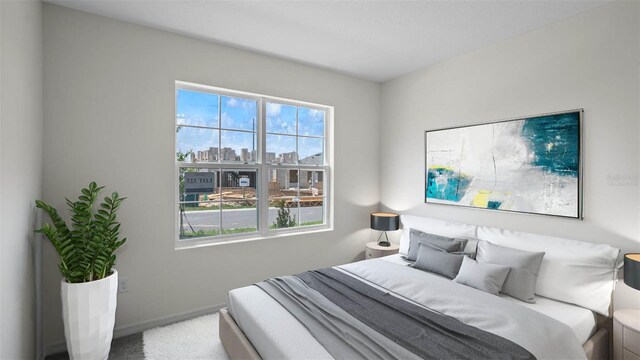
(192, 339)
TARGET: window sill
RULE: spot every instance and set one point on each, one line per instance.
(234, 239)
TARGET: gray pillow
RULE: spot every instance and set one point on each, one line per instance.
(469, 249)
(443, 243)
(521, 281)
(482, 276)
(437, 262)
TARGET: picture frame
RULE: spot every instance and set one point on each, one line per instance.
(530, 165)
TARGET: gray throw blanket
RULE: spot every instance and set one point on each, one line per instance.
(353, 320)
(343, 336)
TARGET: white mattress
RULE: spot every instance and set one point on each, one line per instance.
(276, 334)
(580, 320)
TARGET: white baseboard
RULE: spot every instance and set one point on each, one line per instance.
(120, 331)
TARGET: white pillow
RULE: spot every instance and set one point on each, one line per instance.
(572, 271)
(444, 228)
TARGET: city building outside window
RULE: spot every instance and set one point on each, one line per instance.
(249, 166)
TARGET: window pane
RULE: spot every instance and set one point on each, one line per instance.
(281, 119)
(239, 207)
(311, 210)
(197, 108)
(283, 149)
(310, 122)
(196, 185)
(239, 113)
(283, 195)
(239, 217)
(311, 182)
(283, 213)
(311, 197)
(239, 185)
(238, 147)
(310, 150)
(199, 220)
(196, 145)
(199, 210)
(283, 184)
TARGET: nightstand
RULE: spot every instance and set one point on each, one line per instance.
(626, 334)
(373, 250)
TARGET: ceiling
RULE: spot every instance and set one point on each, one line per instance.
(374, 40)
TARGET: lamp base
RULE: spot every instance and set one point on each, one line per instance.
(384, 242)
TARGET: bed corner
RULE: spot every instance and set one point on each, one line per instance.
(235, 343)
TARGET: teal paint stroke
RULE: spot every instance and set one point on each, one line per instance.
(555, 142)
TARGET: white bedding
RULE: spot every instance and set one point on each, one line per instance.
(273, 331)
(582, 321)
(276, 334)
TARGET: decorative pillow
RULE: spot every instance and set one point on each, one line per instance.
(482, 276)
(576, 272)
(444, 228)
(439, 242)
(470, 249)
(521, 281)
(437, 262)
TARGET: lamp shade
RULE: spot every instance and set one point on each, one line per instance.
(632, 270)
(384, 221)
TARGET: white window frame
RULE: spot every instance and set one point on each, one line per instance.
(262, 186)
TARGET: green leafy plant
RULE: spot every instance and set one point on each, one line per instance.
(284, 218)
(86, 248)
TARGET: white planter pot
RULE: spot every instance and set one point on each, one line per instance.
(89, 313)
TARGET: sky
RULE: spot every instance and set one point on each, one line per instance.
(203, 109)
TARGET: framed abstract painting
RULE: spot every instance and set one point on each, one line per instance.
(529, 165)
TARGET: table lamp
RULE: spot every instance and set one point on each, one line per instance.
(631, 270)
(384, 221)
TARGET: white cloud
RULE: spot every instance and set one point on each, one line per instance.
(233, 102)
(196, 121)
(273, 109)
(227, 120)
(248, 105)
(286, 128)
(241, 103)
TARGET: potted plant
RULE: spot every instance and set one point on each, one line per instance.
(90, 283)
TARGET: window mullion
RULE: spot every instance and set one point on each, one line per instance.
(220, 161)
(298, 161)
(263, 216)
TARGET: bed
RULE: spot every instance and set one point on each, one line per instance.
(257, 325)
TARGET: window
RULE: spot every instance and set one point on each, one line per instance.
(248, 166)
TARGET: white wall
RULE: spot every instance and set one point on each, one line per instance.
(109, 105)
(589, 61)
(21, 175)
